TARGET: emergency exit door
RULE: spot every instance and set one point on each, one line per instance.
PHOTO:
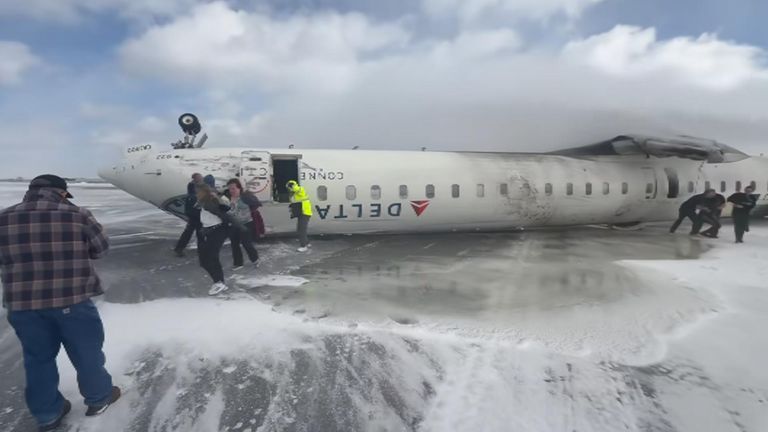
(256, 173)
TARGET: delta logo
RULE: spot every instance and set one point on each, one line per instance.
(371, 210)
(419, 206)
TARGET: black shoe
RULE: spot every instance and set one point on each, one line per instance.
(94, 410)
(56, 423)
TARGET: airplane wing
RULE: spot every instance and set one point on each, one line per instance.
(681, 146)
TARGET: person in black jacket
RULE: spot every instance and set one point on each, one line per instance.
(715, 205)
(193, 216)
(693, 209)
(743, 203)
(216, 222)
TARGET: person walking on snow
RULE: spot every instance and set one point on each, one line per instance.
(743, 203)
(242, 206)
(47, 248)
(216, 223)
(193, 216)
(301, 208)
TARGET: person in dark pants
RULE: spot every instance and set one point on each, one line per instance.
(743, 203)
(691, 209)
(193, 216)
(715, 206)
(302, 211)
(216, 224)
(47, 245)
(242, 205)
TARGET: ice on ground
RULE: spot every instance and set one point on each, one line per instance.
(209, 364)
(731, 348)
(269, 280)
(572, 330)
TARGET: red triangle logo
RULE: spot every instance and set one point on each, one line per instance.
(419, 206)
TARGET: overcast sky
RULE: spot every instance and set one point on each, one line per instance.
(82, 79)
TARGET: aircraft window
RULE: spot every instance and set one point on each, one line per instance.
(455, 191)
(707, 185)
(322, 193)
(691, 187)
(649, 188)
(722, 186)
(351, 192)
(753, 185)
(588, 188)
(504, 189)
(375, 192)
(527, 188)
(480, 190)
(738, 186)
(624, 188)
(548, 188)
(430, 191)
(606, 188)
(569, 188)
(403, 191)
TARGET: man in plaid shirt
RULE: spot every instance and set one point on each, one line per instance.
(46, 247)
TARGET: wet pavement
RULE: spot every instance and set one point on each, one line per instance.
(541, 330)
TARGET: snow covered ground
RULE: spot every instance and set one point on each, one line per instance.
(562, 330)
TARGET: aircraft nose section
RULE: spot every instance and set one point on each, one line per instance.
(108, 173)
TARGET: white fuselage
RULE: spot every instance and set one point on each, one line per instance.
(356, 191)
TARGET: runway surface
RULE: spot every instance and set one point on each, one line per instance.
(581, 329)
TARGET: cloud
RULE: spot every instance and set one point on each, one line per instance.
(71, 11)
(336, 80)
(133, 128)
(477, 44)
(469, 11)
(15, 59)
(705, 61)
(482, 90)
(92, 110)
(221, 46)
(27, 147)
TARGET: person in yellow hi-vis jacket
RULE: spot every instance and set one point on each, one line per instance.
(301, 208)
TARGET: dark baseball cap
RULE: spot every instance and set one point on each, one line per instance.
(50, 181)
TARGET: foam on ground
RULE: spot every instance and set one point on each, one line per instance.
(269, 280)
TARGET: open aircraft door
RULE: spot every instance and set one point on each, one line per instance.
(256, 173)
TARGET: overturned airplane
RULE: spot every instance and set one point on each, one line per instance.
(624, 181)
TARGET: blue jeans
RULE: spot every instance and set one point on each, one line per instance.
(42, 333)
